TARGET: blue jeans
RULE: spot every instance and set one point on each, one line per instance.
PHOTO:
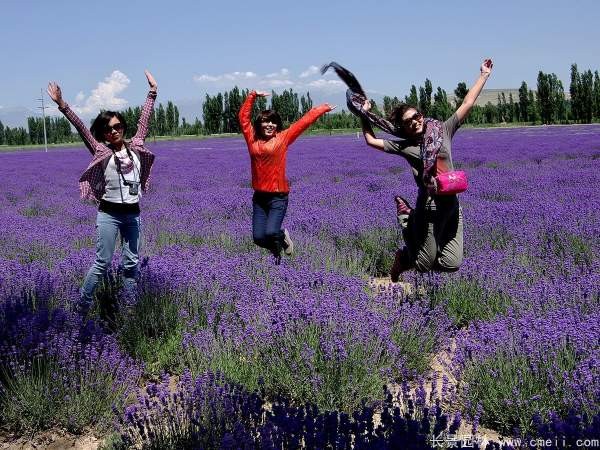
(268, 211)
(108, 225)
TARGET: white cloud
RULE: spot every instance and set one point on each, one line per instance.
(281, 79)
(327, 85)
(283, 73)
(104, 96)
(312, 70)
(274, 83)
(206, 78)
(233, 76)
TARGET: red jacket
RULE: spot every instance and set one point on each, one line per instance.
(268, 157)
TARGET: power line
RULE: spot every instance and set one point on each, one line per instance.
(43, 108)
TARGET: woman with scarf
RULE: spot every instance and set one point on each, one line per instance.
(268, 143)
(433, 230)
(119, 171)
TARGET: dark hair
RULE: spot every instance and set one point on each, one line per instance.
(268, 115)
(396, 115)
(101, 122)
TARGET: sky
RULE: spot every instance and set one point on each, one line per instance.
(97, 51)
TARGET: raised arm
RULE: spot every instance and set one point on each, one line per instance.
(298, 127)
(142, 127)
(368, 133)
(56, 94)
(245, 117)
(465, 108)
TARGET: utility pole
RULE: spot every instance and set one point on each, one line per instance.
(43, 108)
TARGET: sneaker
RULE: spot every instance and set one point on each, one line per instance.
(288, 244)
(402, 206)
(401, 264)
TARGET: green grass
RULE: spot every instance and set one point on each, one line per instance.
(466, 301)
(510, 392)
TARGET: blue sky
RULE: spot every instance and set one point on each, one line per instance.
(97, 51)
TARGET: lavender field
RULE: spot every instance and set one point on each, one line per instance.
(221, 334)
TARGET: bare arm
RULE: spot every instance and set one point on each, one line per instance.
(465, 108)
(368, 133)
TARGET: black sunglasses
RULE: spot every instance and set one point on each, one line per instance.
(415, 116)
(118, 127)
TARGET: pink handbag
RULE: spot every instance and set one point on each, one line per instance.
(451, 183)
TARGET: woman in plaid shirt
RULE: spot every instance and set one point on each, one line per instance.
(114, 179)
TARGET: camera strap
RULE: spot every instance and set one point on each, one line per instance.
(119, 168)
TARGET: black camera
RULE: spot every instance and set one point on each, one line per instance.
(134, 187)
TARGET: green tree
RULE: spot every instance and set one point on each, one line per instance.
(575, 94)
(160, 120)
(511, 108)
(460, 93)
(524, 102)
(586, 92)
(425, 97)
(544, 98)
(2, 140)
(212, 112)
(412, 98)
(532, 111)
(306, 104)
(170, 118)
(441, 108)
(596, 95)
(558, 94)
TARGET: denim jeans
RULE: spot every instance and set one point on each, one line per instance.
(108, 225)
(268, 211)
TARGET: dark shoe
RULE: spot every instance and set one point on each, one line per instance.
(401, 264)
(402, 206)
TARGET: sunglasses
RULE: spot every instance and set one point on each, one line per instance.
(118, 127)
(415, 116)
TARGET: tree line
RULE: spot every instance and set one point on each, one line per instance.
(546, 105)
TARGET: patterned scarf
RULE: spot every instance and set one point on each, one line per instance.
(432, 137)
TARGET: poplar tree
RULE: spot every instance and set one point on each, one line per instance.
(524, 103)
(574, 91)
(596, 95)
(460, 93)
(412, 98)
(586, 93)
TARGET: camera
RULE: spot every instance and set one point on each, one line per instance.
(134, 187)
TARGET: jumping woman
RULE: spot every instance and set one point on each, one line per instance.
(268, 144)
(433, 230)
(119, 171)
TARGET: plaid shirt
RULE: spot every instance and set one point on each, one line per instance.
(92, 183)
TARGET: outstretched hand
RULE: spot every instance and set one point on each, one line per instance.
(151, 81)
(331, 107)
(262, 94)
(55, 93)
(486, 67)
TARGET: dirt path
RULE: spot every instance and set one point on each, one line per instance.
(49, 440)
(440, 368)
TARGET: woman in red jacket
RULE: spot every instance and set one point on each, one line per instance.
(267, 144)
